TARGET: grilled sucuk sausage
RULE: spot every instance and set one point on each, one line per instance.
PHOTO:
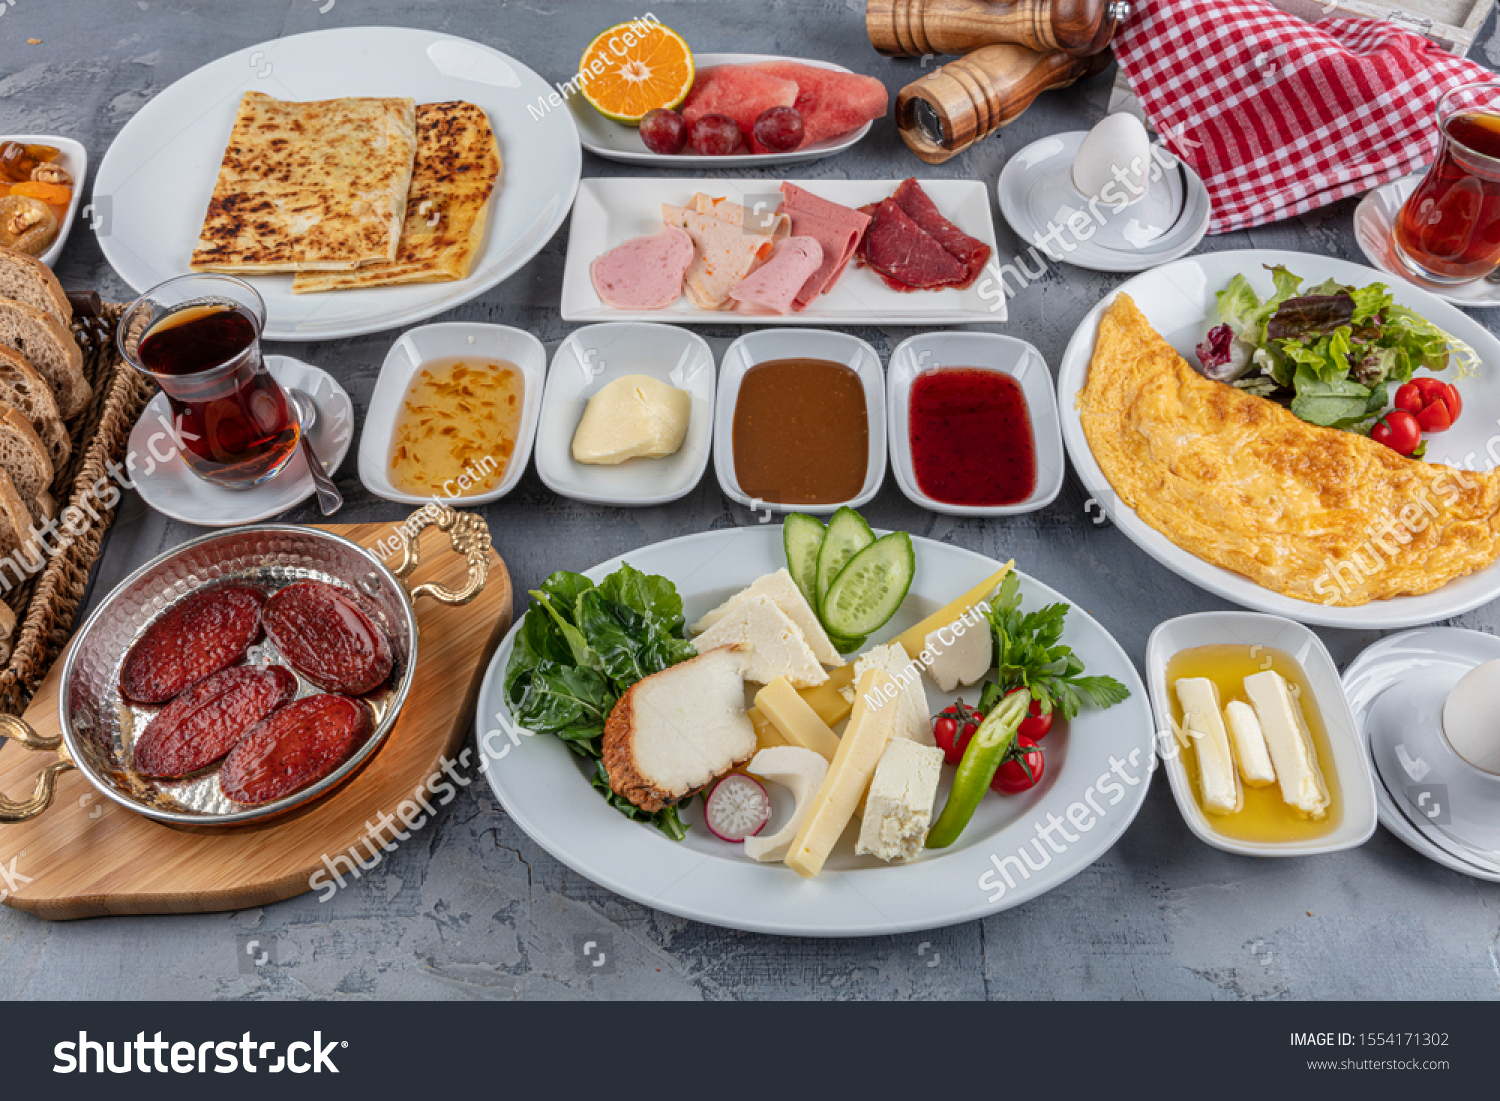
(294, 746)
(204, 723)
(207, 632)
(325, 635)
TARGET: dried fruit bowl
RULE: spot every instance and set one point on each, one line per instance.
(99, 727)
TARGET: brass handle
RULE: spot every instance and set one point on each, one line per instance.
(468, 534)
(17, 729)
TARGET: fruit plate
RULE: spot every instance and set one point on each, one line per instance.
(1102, 759)
(611, 210)
(1178, 299)
(156, 179)
(617, 142)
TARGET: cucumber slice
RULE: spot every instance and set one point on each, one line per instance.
(802, 536)
(847, 645)
(869, 590)
(847, 535)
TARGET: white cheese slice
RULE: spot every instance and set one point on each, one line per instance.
(898, 808)
(1204, 723)
(1289, 741)
(913, 717)
(777, 647)
(961, 652)
(1250, 751)
(783, 592)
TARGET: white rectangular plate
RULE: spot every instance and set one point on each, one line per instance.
(609, 211)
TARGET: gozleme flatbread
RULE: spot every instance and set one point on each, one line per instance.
(457, 166)
(317, 186)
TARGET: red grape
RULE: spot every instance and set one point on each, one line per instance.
(779, 129)
(663, 131)
(714, 136)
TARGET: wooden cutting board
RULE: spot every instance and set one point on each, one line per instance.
(86, 856)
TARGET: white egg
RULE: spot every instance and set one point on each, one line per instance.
(1118, 149)
(1471, 717)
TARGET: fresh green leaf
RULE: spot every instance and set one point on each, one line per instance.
(562, 618)
(650, 594)
(551, 697)
(666, 820)
(1329, 403)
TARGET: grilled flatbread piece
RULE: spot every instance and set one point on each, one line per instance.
(1312, 513)
(457, 165)
(317, 186)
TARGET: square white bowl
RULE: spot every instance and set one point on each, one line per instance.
(596, 355)
(75, 158)
(423, 345)
(986, 352)
(765, 345)
(1352, 765)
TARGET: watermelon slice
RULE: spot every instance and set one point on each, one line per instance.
(738, 91)
(830, 102)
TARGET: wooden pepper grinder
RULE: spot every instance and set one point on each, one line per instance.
(913, 28)
(949, 109)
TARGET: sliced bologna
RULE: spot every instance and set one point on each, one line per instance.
(644, 273)
(776, 283)
(838, 230)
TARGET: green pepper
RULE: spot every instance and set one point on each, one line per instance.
(982, 757)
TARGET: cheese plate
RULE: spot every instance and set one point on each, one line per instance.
(1100, 760)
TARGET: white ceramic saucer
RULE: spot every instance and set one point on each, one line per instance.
(1374, 219)
(1036, 194)
(1384, 685)
(165, 483)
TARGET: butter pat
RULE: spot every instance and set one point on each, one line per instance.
(1289, 742)
(898, 808)
(1205, 726)
(1250, 749)
(634, 417)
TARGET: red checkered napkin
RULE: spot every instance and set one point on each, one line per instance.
(1280, 116)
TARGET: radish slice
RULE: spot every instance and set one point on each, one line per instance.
(738, 807)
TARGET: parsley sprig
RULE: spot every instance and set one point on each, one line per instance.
(1029, 651)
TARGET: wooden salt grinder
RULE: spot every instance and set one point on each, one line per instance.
(914, 28)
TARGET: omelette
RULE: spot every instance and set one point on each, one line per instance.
(454, 174)
(1313, 513)
(309, 186)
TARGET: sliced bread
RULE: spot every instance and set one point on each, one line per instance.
(22, 387)
(15, 530)
(50, 348)
(23, 456)
(26, 279)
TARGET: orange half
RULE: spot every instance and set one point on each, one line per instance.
(633, 68)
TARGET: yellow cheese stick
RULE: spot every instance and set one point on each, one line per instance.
(766, 734)
(870, 728)
(914, 638)
(827, 700)
(794, 720)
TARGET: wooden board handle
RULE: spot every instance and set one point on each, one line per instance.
(914, 28)
(966, 100)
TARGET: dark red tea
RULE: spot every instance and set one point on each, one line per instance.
(1450, 226)
(971, 439)
(232, 417)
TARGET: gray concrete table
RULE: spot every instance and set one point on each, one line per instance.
(471, 907)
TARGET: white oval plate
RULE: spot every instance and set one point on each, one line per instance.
(156, 179)
(167, 485)
(766, 345)
(1178, 300)
(617, 142)
(450, 340)
(588, 360)
(1375, 220)
(984, 352)
(541, 785)
(1350, 762)
(75, 158)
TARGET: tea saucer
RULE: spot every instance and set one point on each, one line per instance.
(1412, 793)
(1374, 220)
(1039, 201)
(167, 485)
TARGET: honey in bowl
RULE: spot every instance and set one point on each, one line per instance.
(457, 427)
(1265, 816)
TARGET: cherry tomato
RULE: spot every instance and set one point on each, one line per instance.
(1398, 430)
(954, 726)
(1436, 404)
(1022, 768)
(1036, 725)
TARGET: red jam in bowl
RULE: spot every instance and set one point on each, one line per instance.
(971, 438)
